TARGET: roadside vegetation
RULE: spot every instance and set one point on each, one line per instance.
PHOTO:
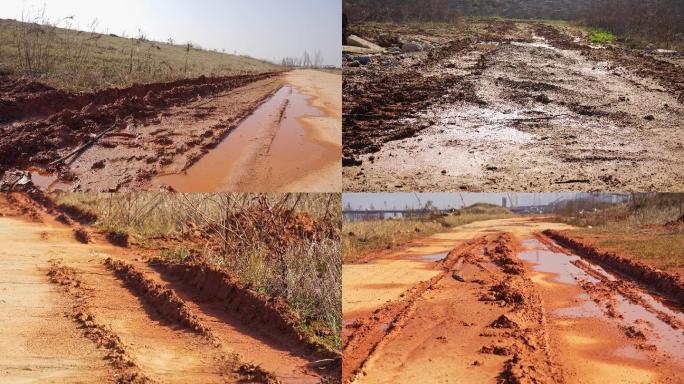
(55, 53)
(362, 238)
(599, 36)
(636, 23)
(649, 227)
(283, 245)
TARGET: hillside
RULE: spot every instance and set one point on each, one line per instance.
(83, 61)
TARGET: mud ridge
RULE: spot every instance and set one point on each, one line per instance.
(254, 308)
(371, 331)
(164, 300)
(667, 285)
(531, 360)
(74, 118)
(127, 372)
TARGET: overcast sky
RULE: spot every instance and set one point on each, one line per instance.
(265, 29)
(448, 200)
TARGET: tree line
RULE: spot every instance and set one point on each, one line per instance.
(305, 61)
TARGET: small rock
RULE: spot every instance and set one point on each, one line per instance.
(457, 277)
(411, 47)
(649, 117)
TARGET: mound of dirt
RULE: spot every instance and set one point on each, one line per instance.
(77, 213)
(82, 235)
(127, 372)
(119, 238)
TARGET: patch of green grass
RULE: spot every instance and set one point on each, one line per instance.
(600, 36)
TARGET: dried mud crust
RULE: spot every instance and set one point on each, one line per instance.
(140, 126)
(523, 99)
(126, 370)
(668, 285)
(256, 309)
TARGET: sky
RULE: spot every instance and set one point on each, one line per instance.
(449, 200)
(265, 29)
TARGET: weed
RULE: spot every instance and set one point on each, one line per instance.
(178, 254)
(600, 36)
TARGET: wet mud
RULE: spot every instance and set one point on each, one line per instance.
(520, 106)
(602, 325)
(666, 284)
(524, 309)
(119, 138)
(263, 153)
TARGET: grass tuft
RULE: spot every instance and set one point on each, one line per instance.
(600, 36)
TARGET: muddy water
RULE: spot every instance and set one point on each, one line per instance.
(262, 154)
(581, 316)
(47, 181)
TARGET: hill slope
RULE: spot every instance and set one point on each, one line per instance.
(84, 61)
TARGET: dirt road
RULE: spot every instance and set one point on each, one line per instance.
(292, 142)
(509, 304)
(267, 132)
(95, 312)
(502, 106)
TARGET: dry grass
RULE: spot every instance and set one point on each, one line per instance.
(83, 61)
(363, 238)
(235, 231)
(641, 229)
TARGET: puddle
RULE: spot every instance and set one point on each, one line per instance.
(290, 155)
(659, 333)
(488, 125)
(433, 257)
(539, 42)
(47, 181)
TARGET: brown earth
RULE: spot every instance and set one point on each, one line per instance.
(96, 311)
(510, 306)
(153, 136)
(510, 106)
(155, 128)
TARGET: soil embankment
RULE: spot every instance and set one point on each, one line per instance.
(97, 310)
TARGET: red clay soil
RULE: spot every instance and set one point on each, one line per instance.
(165, 301)
(75, 116)
(501, 333)
(666, 284)
(254, 308)
(182, 306)
(126, 371)
(75, 141)
(369, 332)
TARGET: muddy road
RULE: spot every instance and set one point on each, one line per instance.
(511, 106)
(76, 312)
(205, 134)
(506, 304)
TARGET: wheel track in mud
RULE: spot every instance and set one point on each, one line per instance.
(532, 99)
(175, 123)
(522, 328)
(512, 332)
(203, 341)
